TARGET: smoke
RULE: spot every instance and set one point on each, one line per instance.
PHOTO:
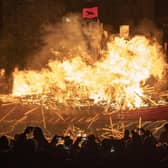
(148, 28)
(151, 31)
(70, 38)
(75, 37)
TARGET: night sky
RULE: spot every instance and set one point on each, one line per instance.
(21, 21)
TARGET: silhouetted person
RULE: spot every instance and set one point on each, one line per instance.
(126, 139)
(4, 146)
(164, 135)
(54, 141)
(149, 146)
(19, 142)
(90, 151)
(149, 139)
(90, 144)
(31, 149)
(40, 141)
(106, 146)
(135, 146)
(68, 142)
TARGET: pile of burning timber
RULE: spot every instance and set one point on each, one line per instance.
(53, 116)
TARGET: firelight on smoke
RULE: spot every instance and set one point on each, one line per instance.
(117, 77)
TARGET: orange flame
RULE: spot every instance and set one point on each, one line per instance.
(116, 77)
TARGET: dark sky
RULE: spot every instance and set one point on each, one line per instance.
(108, 9)
(21, 20)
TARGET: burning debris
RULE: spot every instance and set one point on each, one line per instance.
(119, 76)
(127, 74)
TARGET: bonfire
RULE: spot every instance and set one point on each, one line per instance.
(125, 74)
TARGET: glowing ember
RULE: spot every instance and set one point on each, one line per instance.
(117, 77)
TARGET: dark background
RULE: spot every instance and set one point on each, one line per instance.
(21, 21)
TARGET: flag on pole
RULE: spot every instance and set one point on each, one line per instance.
(90, 13)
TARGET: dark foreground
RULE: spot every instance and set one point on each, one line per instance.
(136, 149)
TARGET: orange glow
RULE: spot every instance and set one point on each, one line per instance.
(117, 77)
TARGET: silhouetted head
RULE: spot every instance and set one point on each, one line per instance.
(147, 133)
(166, 126)
(126, 132)
(68, 141)
(142, 130)
(91, 137)
(3, 142)
(29, 129)
(38, 133)
(133, 132)
(106, 144)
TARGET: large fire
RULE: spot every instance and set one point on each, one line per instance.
(118, 76)
(92, 79)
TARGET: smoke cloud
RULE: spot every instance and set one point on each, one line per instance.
(147, 28)
(75, 37)
(70, 38)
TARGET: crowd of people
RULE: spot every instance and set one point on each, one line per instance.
(136, 149)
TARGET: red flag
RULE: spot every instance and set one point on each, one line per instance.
(90, 13)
